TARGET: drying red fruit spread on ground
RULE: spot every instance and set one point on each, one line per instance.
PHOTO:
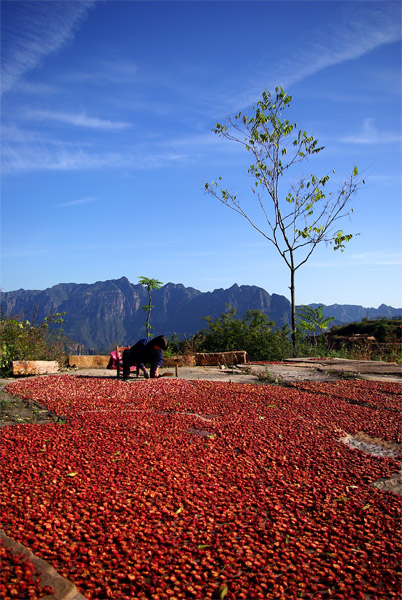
(173, 489)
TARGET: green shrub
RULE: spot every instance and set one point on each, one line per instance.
(23, 340)
(254, 333)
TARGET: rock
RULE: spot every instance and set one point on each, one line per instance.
(35, 367)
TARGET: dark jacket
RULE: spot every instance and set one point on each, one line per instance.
(144, 352)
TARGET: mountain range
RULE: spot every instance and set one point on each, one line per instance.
(106, 313)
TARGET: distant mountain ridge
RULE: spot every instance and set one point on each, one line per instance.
(102, 314)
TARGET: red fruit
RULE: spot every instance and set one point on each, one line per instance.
(268, 505)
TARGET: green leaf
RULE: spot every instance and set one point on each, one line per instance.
(223, 591)
(72, 474)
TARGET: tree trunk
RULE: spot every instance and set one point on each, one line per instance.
(149, 313)
(293, 309)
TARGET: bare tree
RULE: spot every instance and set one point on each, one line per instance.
(304, 214)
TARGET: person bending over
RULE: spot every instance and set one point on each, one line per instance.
(145, 352)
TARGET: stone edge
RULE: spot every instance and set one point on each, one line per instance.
(63, 588)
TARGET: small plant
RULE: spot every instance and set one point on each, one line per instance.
(267, 377)
(4, 402)
(312, 320)
(150, 284)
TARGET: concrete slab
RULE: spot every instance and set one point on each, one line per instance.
(288, 371)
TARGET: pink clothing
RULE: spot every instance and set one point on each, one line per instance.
(113, 361)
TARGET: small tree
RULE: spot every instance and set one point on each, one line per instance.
(300, 217)
(311, 319)
(150, 284)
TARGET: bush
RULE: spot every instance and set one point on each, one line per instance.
(22, 340)
(254, 333)
(384, 330)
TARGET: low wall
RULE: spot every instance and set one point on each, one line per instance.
(208, 359)
(188, 360)
(97, 361)
(86, 361)
(237, 357)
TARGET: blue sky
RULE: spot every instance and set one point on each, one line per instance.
(106, 118)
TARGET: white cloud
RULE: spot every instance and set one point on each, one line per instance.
(33, 30)
(365, 259)
(345, 39)
(359, 29)
(369, 134)
(362, 29)
(377, 258)
(33, 89)
(78, 201)
(117, 72)
(80, 120)
(64, 157)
